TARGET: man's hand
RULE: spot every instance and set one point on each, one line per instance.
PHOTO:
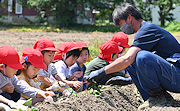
(8, 88)
(96, 76)
(15, 105)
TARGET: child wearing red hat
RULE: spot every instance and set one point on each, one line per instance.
(79, 65)
(32, 60)
(10, 86)
(122, 39)
(109, 52)
(70, 53)
(47, 48)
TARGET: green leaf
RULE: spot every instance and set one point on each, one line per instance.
(34, 109)
(28, 102)
(57, 95)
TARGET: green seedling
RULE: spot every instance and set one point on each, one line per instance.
(117, 86)
(28, 103)
(64, 98)
(95, 89)
(57, 95)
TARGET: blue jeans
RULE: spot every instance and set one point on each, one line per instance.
(149, 71)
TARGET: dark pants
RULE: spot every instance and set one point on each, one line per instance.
(15, 96)
(150, 71)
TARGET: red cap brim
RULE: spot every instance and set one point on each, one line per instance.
(126, 46)
(15, 66)
(40, 66)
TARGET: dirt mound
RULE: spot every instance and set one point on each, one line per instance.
(112, 98)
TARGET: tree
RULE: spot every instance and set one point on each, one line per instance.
(165, 6)
(106, 7)
(63, 10)
(145, 9)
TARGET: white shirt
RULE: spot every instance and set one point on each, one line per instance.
(62, 69)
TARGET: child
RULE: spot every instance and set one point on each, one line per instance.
(122, 39)
(79, 65)
(32, 60)
(47, 48)
(10, 86)
(70, 53)
(109, 52)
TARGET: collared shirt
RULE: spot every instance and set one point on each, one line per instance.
(51, 70)
(62, 69)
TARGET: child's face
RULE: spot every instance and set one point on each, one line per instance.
(71, 60)
(10, 72)
(48, 57)
(31, 71)
(83, 56)
(114, 57)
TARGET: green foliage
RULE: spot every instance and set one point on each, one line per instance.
(145, 9)
(165, 6)
(173, 27)
(96, 90)
(94, 47)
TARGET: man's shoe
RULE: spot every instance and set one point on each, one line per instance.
(153, 101)
(158, 96)
(118, 80)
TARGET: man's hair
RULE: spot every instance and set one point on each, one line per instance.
(74, 53)
(122, 12)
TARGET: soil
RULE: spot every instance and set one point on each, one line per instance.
(113, 98)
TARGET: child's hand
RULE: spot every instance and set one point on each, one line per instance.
(78, 74)
(67, 92)
(44, 94)
(77, 84)
(54, 87)
(15, 105)
(8, 88)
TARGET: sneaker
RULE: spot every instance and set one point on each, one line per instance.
(118, 80)
(153, 101)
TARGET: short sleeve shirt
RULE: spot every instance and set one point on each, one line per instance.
(153, 38)
(51, 71)
(62, 69)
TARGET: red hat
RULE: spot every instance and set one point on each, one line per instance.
(108, 48)
(10, 57)
(33, 56)
(81, 44)
(67, 46)
(57, 56)
(64, 48)
(44, 44)
(122, 39)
